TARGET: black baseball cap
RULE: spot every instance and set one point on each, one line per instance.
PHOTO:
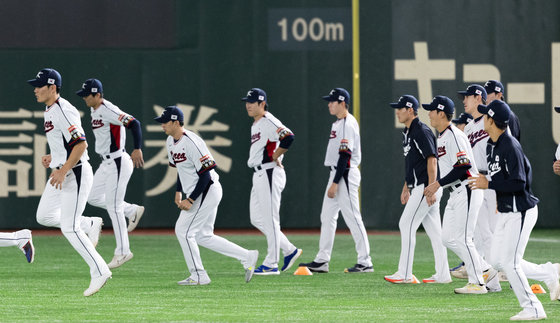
(46, 76)
(338, 94)
(171, 113)
(90, 86)
(440, 103)
(497, 110)
(255, 94)
(494, 86)
(464, 118)
(406, 101)
(474, 89)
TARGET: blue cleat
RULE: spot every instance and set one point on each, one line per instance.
(290, 259)
(264, 270)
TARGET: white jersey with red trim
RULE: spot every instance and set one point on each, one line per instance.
(345, 135)
(451, 142)
(266, 134)
(108, 123)
(478, 139)
(63, 128)
(191, 157)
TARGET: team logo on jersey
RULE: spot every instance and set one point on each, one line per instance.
(406, 147)
(48, 126)
(207, 162)
(462, 159)
(344, 147)
(178, 157)
(75, 133)
(283, 133)
(333, 134)
(441, 151)
(494, 167)
(97, 123)
(477, 136)
(125, 119)
(256, 137)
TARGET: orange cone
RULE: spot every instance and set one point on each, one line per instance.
(303, 271)
(537, 289)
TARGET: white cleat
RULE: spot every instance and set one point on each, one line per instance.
(528, 316)
(252, 261)
(191, 282)
(119, 260)
(95, 231)
(96, 284)
(553, 284)
(471, 289)
(133, 222)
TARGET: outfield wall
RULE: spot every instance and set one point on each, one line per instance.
(205, 55)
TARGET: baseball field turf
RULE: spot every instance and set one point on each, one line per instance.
(145, 289)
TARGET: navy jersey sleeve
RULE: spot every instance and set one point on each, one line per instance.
(426, 143)
(513, 178)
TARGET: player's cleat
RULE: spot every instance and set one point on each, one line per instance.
(502, 276)
(552, 283)
(95, 231)
(291, 258)
(119, 260)
(527, 315)
(489, 274)
(460, 273)
(192, 282)
(398, 279)
(96, 284)
(133, 221)
(359, 269)
(471, 289)
(252, 261)
(27, 246)
(264, 270)
(316, 267)
(433, 280)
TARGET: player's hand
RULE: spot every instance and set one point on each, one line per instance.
(405, 195)
(185, 205)
(279, 163)
(479, 182)
(178, 198)
(556, 167)
(431, 189)
(46, 160)
(431, 200)
(137, 158)
(57, 178)
(331, 193)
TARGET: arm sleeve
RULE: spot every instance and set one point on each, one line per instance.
(455, 174)
(179, 186)
(341, 165)
(286, 137)
(203, 181)
(136, 128)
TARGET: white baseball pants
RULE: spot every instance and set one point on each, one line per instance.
(346, 201)
(508, 246)
(485, 223)
(415, 212)
(64, 208)
(196, 227)
(12, 239)
(266, 195)
(108, 191)
(459, 222)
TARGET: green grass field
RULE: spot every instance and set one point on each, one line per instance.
(145, 289)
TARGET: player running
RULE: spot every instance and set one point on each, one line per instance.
(112, 176)
(21, 239)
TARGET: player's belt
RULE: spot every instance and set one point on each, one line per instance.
(264, 166)
(455, 187)
(113, 155)
(332, 167)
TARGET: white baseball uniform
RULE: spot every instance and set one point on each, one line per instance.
(195, 227)
(461, 211)
(13, 239)
(112, 176)
(487, 216)
(344, 136)
(269, 180)
(64, 208)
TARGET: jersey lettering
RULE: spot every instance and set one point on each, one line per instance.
(178, 157)
(441, 151)
(256, 137)
(333, 134)
(48, 126)
(406, 147)
(97, 123)
(477, 136)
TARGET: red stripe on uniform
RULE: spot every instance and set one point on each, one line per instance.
(116, 134)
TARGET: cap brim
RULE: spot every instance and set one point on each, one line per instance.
(557, 109)
(395, 105)
(82, 93)
(428, 107)
(160, 119)
(483, 109)
(457, 121)
(35, 83)
(329, 98)
(248, 100)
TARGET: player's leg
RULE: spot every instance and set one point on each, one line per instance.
(186, 229)
(508, 254)
(432, 226)
(348, 200)
(329, 217)
(21, 239)
(48, 211)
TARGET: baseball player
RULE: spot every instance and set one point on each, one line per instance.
(65, 195)
(419, 146)
(199, 181)
(462, 121)
(342, 158)
(270, 139)
(511, 175)
(556, 164)
(496, 91)
(456, 163)
(21, 239)
(111, 179)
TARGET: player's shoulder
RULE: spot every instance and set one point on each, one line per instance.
(270, 120)
(65, 108)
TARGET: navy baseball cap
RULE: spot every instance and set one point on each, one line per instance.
(255, 94)
(46, 76)
(497, 110)
(464, 118)
(474, 89)
(90, 86)
(406, 101)
(494, 86)
(171, 113)
(557, 109)
(338, 94)
(440, 103)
